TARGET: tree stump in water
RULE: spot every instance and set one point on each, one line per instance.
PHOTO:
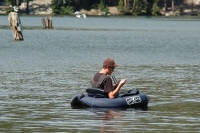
(15, 25)
(48, 23)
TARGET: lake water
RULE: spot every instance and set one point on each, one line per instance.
(159, 56)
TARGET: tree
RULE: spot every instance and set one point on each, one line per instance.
(165, 5)
(125, 3)
(14, 2)
(11, 2)
(59, 7)
(137, 7)
(133, 6)
(103, 7)
(55, 7)
(120, 5)
(155, 9)
(173, 10)
(27, 6)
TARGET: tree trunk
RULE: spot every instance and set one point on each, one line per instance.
(133, 6)
(125, 4)
(27, 6)
(165, 5)
(173, 10)
(192, 7)
(17, 3)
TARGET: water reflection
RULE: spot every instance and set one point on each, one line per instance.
(114, 120)
(110, 118)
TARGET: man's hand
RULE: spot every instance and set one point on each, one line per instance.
(114, 93)
(122, 82)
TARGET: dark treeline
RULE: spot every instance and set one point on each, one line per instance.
(126, 7)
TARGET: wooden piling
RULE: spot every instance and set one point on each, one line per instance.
(48, 23)
(43, 23)
(15, 25)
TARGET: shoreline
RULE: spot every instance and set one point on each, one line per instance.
(170, 18)
(45, 10)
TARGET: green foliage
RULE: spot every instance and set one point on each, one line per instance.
(148, 8)
(181, 9)
(102, 7)
(11, 2)
(66, 10)
(105, 9)
(9, 9)
(14, 3)
(141, 7)
(155, 8)
(85, 4)
(120, 5)
(55, 7)
(138, 7)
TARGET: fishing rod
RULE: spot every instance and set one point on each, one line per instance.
(114, 79)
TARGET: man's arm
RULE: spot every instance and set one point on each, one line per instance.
(113, 94)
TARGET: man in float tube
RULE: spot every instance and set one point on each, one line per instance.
(102, 80)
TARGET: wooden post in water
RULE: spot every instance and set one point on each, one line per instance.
(48, 23)
(43, 23)
(15, 24)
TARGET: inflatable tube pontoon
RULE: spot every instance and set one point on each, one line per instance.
(96, 98)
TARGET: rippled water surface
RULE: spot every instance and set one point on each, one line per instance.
(159, 56)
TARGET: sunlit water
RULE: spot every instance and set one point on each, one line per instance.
(159, 56)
